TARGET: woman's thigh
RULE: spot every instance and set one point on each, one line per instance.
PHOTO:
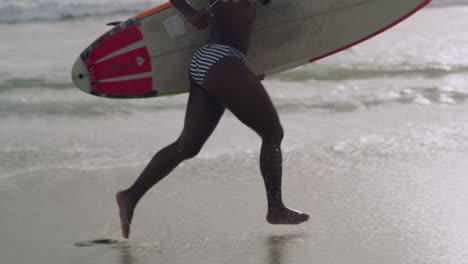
(201, 118)
(235, 86)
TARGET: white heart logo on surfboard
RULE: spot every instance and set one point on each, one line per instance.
(140, 61)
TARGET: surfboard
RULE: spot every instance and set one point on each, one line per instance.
(148, 55)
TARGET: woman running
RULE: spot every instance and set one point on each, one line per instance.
(219, 80)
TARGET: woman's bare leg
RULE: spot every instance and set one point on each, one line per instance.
(236, 87)
(202, 115)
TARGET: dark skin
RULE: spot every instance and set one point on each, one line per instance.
(229, 84)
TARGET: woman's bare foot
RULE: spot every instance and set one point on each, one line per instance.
(285, 216)
(126, 208)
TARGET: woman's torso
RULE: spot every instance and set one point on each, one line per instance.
(233, 23)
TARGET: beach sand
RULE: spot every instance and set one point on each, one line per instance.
(393, 196)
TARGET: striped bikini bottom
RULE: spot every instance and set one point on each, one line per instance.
(207, 55)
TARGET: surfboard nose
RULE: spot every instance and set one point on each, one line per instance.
(80, 75)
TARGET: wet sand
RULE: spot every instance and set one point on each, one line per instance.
(379, 190)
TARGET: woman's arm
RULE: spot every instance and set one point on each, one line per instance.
(183, 7)
(200, 18)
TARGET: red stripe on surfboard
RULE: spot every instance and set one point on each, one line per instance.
(119, 40)
(130, 63)
(376, 33)
(154, 10)
(125, 88)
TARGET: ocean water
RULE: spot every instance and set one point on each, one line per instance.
(373, 134)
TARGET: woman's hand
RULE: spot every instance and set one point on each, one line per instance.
(200, 18)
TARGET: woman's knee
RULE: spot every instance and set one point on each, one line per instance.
(274, 134)
(187, 150)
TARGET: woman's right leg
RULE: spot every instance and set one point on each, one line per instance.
(202, 115)
(239, 90)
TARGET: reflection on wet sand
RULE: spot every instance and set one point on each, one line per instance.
(277, 246)
(126, 254)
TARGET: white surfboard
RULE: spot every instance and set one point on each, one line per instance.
(148, 55)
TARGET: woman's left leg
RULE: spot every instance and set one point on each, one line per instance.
(202, 115)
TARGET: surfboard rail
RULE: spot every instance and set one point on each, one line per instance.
(154, 10)
(374, 34)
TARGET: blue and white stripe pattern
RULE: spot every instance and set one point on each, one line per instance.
(207, 55)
